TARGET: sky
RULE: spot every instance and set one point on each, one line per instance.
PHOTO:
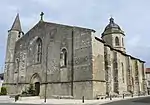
(131, 15)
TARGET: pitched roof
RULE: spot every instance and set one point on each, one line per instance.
(147, 70)
(16, 25)
(105, 44)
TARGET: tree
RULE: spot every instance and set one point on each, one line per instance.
(3, 91)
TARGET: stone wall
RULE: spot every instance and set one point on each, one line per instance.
(134, 70)
(108, 39)
(91, 68)
(108, 70)
(112, 70)
(54, 38)
(122, 73)
(9, 60)
(141, 82)
(82, 64)
(99, 83)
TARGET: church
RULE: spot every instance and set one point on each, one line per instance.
(62, 60)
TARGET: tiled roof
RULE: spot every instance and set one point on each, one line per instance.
(147, 70)
(105, 44)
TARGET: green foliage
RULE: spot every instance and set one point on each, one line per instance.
(29, 91)
(24, 93)
(3, 91)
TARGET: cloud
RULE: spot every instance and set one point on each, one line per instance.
(132, 16)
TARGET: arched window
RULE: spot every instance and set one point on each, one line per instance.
(39, 49)
(63, 58)
(117, 41)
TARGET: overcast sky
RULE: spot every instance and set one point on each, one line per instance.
(132, 16)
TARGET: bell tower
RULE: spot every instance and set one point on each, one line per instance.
(114, 36)
(14, 34)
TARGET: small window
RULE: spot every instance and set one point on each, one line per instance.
(39, 50)
(122, 42)
(19, 34)
(63, 58)
(117, 41)
(17, 66)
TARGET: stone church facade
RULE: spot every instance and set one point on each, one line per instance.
(62, 60)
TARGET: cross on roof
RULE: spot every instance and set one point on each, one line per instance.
(42, 14)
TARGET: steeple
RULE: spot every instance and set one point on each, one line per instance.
(14, 34)
(16, 25)
(114, 36)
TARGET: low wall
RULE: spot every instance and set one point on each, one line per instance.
(6, 99)
(29, 98)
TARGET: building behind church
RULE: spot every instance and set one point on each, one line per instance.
(148, 79)
(63, 60)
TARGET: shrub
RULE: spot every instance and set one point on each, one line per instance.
(24, 92)
(3, 91)
(31, 90)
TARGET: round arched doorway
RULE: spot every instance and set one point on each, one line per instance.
(35, 80)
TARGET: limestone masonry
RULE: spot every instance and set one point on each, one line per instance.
(62, 60)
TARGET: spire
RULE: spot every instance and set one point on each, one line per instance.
(16, 25)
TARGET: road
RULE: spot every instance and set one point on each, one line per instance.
(18, 104)
(136, 101)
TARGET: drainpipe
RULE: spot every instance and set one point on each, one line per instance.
(46, 70)
(72, 63)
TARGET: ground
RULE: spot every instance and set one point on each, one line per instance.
(137, 101)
